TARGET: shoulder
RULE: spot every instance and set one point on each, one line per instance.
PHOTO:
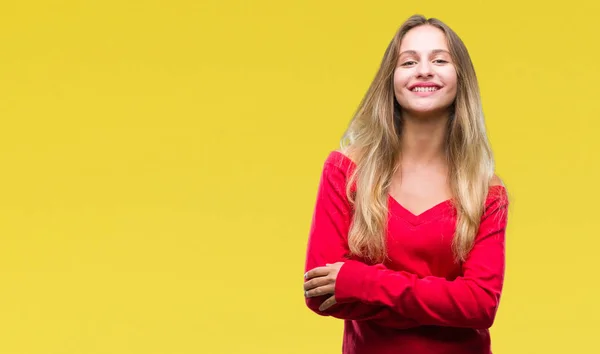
(337, 168)
(496, 181)
(340, 159)
(497, 189)
(497, 194)
(345, 154)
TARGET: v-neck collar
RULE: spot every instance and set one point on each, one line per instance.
(428, 215)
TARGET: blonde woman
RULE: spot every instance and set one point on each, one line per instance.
(407, 243)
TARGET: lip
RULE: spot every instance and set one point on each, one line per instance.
(424, 84)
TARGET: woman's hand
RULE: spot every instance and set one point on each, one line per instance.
(321, 281)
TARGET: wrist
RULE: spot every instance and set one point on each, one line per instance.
(350, 283)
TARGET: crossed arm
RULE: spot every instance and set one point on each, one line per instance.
(349, 289)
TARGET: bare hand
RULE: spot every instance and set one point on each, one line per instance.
(321, 281)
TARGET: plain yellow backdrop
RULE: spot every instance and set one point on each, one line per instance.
(160, 159)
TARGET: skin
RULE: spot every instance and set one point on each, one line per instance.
(424, 59)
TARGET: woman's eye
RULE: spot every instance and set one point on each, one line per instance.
(410, 62)
(440, 61)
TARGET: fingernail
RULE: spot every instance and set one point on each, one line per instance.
(305, 275)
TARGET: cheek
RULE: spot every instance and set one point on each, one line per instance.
(400, 82)
(451, 80)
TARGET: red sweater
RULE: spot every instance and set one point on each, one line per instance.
(419, 300)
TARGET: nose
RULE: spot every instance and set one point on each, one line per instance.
(424, 69)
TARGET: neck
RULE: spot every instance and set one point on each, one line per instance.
(423, 139)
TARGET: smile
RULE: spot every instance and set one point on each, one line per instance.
(425, 89)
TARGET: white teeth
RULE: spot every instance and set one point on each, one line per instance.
(424, 89)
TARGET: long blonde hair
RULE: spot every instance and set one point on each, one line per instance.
(373, 141)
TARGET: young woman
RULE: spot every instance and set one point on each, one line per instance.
(407, 243)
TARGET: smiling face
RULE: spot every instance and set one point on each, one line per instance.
(425, 79)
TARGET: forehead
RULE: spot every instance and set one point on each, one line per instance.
(424, 39)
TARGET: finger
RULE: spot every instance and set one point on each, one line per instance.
(317, 272)
(327, 303)
(316, 282)
(320, 291)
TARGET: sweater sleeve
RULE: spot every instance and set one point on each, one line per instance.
(327, 243)
(470, 300)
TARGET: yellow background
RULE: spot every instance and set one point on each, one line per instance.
(159, 164)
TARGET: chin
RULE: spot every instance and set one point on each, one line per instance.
(430, 111)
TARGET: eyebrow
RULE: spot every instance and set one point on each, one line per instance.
(435, 51)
